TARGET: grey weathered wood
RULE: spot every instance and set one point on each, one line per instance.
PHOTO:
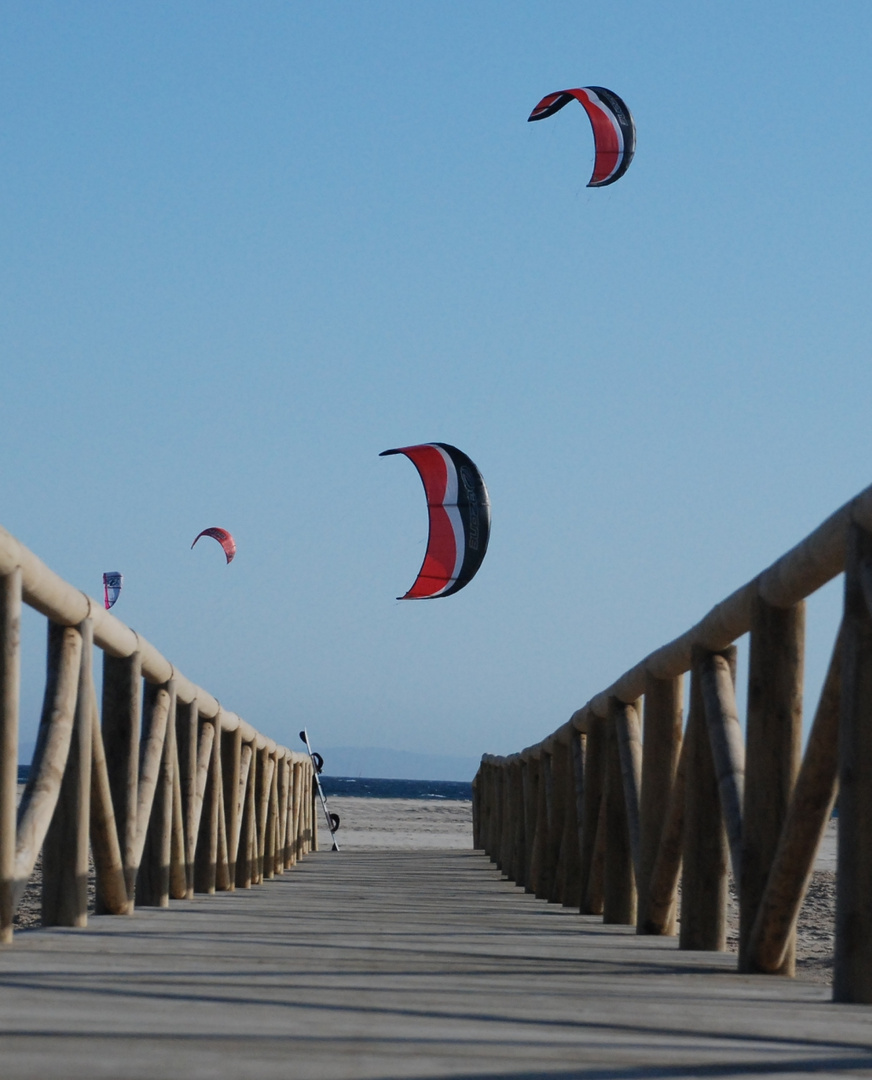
(153, 878)
(10, 680)
(717, 677)
(531, 806)
(619, 886)
(663, 884)
(570, 854)
(774, 737)
(206, 858)
(810, 809)
(705, 850)
(628, 732)
(661, 747)
(852, 974)
(65, 851)
(187, 728)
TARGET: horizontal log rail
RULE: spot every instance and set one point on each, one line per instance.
(625, 804)
(172, 793)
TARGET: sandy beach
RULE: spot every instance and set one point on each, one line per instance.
(415, 824)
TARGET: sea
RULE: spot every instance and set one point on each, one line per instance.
(366, 788)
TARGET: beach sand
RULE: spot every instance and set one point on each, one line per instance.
(413, 824)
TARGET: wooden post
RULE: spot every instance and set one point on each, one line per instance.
(718, 676)
(153, 880)
(298, 811)
(111, 891)
(476, 810)
(660, 751)
(619, 886)
(531, 807)
(232, 764)
(178, 859)
(538, 870)
(578, 751)
(121, 711)
(187, 727)
(245, 847)
(810, 810)
(852, 974)
(627, 721)
(272, 811)
(557, 822)
(10, 682)
(706, 853)
(594, 786)
(518, 847)
(774, 736)
(282, 823)
(206, 858)
(569, 891)
(663, 886)
(65, 851)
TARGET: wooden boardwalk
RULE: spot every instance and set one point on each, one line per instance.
(399, 964)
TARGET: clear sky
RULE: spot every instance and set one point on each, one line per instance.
(246, 247)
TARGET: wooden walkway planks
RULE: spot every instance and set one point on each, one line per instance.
(399, 964)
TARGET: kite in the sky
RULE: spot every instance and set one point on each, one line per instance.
(614, 133)
(459, 510)
(112, 582)
(224, 539)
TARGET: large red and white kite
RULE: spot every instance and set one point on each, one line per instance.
(459, 509)
(228, 544)
(614, 132)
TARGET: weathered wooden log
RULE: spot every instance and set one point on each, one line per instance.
(297, 810)
(661, 748)
(282, 823)
(569, 889)
(187, 729)
(222, 868)
(774, 737)
(10, 684)
(717, 677)
(206, 857)
(577, 757)
(235, 853)
(156, 712)
(153, 878)
(245, 856)
(65, 850)
(178, 858)
(852, 973)
(42, 790)
(110, 889)
(531, 810)
(705, 849)
(121, 720)
(476, 811)
(619, 886)
(627, 722)
(663, 886)
(594, 786)
(269, 843)
(810, 810)
(231, 761)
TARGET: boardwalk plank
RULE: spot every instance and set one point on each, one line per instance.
(394, 965)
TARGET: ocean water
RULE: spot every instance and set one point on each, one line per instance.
(368, 788)
(365, 788)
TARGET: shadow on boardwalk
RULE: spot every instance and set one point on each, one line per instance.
(399, 964)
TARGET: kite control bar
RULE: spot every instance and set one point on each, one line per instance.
(317, 766)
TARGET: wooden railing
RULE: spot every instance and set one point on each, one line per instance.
(173, 794)
(599, 817)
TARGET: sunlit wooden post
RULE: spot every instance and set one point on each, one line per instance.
(852, 975)
(594, 787)
(153, 880)
(619, 885)
(187, 727)
(121, 712)
(65, 851)
(773, 743)
(660, 750)
(206, 858)
(705, 848)
(231, 761)
(272, 810)
(10, 683)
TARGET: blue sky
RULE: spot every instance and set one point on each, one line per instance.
(248, 247)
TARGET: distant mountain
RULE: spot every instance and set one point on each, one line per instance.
(385, 764)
